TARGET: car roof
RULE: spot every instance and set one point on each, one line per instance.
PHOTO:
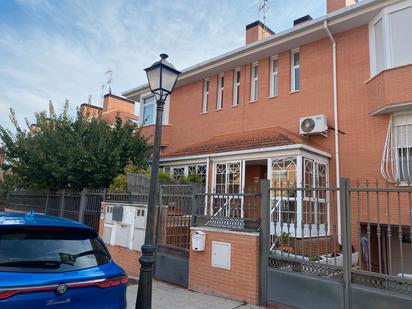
(32, 219)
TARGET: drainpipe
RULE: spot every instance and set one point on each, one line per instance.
(336, 125)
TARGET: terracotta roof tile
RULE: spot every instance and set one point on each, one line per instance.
(239, 141)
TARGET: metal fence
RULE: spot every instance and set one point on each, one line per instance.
(80, 206)
(236, 211)
(358, 235)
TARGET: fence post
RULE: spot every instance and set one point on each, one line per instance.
(47, 202)
(61, 213)
(264, 238)
(346, 240)
(82, 207)
(195, 208)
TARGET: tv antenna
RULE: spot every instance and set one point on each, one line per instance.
(102, 97)
(264, 7)
(109, 79)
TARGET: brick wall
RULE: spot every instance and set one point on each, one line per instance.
(126, 258)
(241, 282)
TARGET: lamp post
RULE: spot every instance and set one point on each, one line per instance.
(162, 77)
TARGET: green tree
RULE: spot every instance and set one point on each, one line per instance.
(70, 153)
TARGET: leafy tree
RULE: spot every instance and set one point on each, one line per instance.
(70, 153)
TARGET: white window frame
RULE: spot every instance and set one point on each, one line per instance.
(205, 99)
(276, 227)
(226, 189)
(143, 106)
(254, 81)
(384, 15)
(402, 119)
(236, 87)
(274, 74)
(220, 90)
(165, 120)
(293, 52)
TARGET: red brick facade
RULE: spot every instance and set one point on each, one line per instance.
(241, 282)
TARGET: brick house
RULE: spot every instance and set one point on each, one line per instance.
(113, 106)
(239, 117)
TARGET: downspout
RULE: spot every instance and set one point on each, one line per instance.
(336, 125)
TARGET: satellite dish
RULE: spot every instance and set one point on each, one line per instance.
(307, 125)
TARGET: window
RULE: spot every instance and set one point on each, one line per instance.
(254, 81)
(274, 81)
(205, 96)
(402, 130)
(314, 201)
(49, 250)
(178, 172)
(236, 87)
(199, 170)
(220, 91)
(295, 70)
(149, 111)
(401, 38)
(396, 165)
(284, 201)
(227, 181)
(390, 39)
(293, 207)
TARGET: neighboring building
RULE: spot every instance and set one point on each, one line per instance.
(113, 106)
(235, 119)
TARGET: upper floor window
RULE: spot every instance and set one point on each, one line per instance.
(205, 102)
(390, 39)
(236, 87)
(220, 91)
(149, 110)
(295, 70)
(254, 81)
(274, 80)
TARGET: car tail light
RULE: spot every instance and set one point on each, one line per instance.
(101, 283)
(7, 294)
(112, 282)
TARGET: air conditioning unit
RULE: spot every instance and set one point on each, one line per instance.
(316, 124)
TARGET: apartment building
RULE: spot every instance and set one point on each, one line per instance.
(325, 99)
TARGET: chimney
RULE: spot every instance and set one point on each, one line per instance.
(257, 31)
(302, 20)
(333, 5)
(114, 102)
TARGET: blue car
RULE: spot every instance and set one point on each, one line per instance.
(50, 262)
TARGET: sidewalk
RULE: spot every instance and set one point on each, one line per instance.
(167, 296)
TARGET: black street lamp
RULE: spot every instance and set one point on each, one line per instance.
(162, 77)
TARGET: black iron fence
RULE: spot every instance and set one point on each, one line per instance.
(358, 234)
(80, 206)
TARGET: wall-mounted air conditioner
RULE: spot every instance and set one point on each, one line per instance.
(310, 125)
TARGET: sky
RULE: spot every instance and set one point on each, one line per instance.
(60, 49)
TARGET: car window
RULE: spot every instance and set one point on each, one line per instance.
(50, 250)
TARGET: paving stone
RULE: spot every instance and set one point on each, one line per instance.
(167, 296)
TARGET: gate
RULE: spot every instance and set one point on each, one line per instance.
(173, 233)
(336, 247)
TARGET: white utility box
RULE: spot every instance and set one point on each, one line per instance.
(198, 241)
